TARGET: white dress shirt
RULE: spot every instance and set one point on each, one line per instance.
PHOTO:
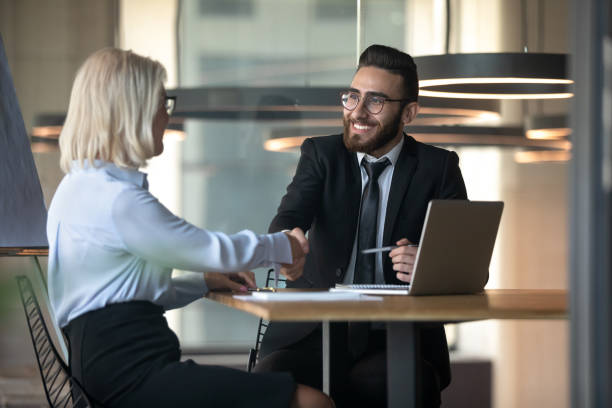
(111, 241)
(384, 183)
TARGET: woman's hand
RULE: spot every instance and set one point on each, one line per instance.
(236, 281)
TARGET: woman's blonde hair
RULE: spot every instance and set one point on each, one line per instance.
(114, 99)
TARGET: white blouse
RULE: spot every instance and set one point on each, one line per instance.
(111, 241)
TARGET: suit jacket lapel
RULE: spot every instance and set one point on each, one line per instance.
(402, 176)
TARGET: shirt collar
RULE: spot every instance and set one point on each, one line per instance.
(392, 154)
(132, 176)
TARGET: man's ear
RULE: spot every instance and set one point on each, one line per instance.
(410, 112)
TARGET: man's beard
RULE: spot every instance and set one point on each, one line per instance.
(383, 136)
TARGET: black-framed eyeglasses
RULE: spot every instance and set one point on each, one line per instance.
(373, 103)
(170, 103)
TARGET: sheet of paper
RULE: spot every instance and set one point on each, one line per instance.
(306, 296)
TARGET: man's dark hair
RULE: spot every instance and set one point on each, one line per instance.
(395, 61)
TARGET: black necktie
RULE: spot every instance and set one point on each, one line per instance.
(366, 238)
(368, 222)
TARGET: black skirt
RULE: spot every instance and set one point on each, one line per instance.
(126, 355)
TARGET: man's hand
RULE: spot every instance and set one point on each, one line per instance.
(299, 249)
(403, 259)
(236, 281)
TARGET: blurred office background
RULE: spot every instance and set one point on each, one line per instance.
(218, 173)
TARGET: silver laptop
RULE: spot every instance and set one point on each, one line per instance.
(454, 253)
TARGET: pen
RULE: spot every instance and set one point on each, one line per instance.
(384, 249)
(266, 289)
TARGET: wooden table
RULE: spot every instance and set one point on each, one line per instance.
(24, 251)
(403, 315)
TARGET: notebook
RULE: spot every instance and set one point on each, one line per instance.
(454, 253)
(373, 289)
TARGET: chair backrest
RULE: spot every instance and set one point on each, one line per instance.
(61, 389)
(261, 329)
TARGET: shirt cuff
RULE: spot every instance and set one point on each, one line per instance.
(192, 281)
(186, 287)
(277, 248)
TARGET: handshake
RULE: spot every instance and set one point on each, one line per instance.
(241, 281)
(299, 249)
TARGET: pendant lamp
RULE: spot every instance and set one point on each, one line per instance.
(498, 75)
(494, 76)
(311, 105)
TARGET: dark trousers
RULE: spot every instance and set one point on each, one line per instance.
(125, 355)
(358, 382)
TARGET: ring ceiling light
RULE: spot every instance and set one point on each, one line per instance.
(494, 76)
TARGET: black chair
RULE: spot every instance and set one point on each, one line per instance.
(61, 389)
(261, 328)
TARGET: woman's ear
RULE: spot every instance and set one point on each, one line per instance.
(410, 112)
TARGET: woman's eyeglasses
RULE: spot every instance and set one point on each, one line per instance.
(170, 103)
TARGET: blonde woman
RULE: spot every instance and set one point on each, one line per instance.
(112, 247)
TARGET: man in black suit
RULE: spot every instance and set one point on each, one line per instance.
(332, 198)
